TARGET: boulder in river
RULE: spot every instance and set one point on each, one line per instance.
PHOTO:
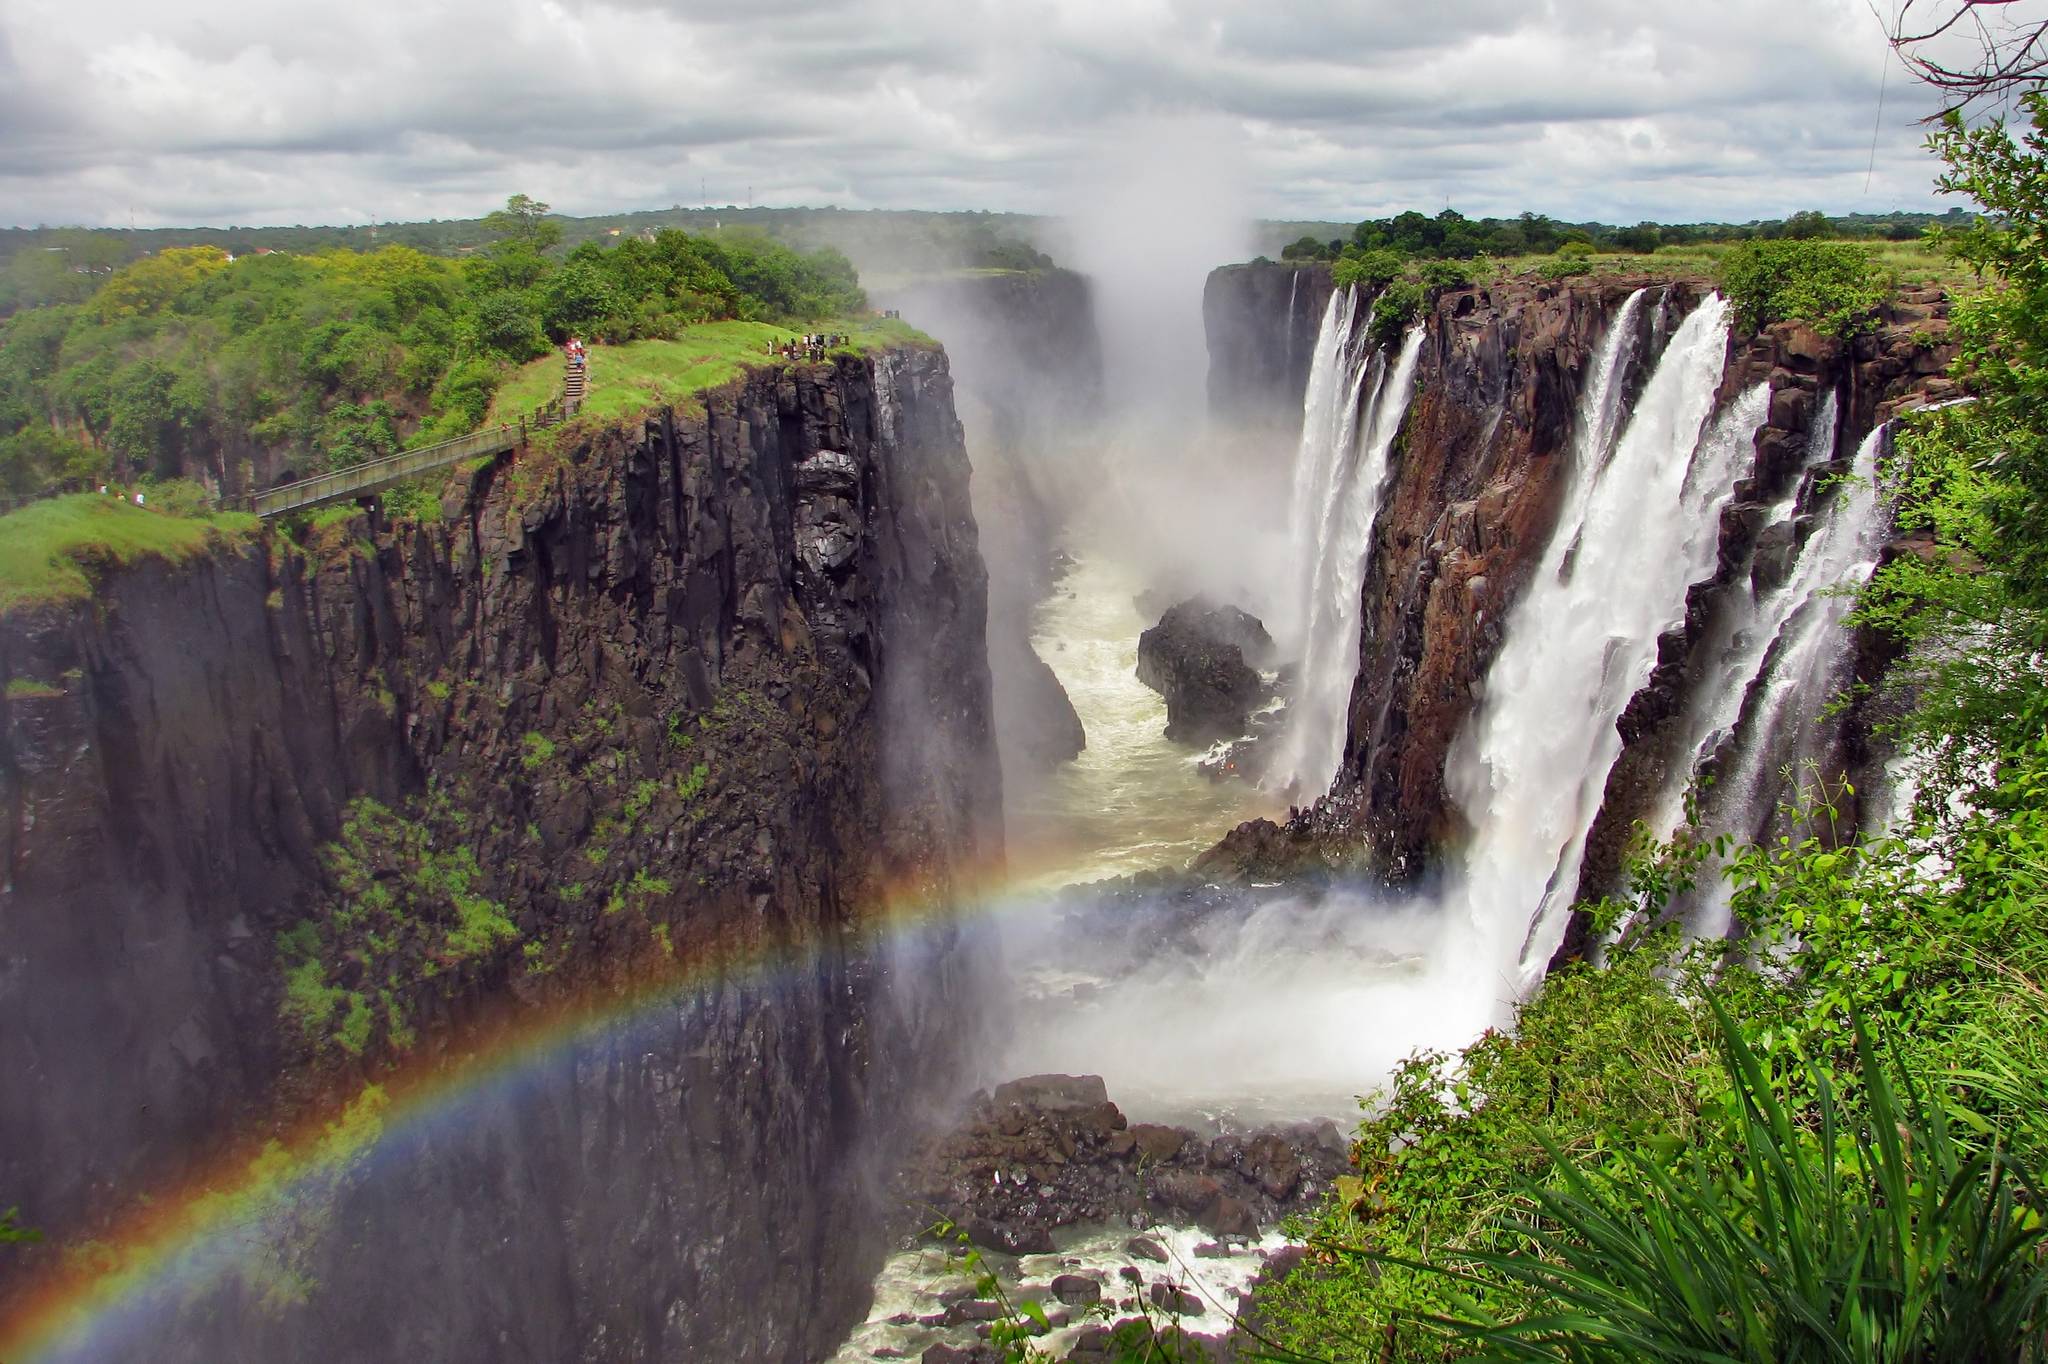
(1201, 657)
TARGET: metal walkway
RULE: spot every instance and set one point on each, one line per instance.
(372, 476)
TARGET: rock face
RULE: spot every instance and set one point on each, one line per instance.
(702, 691)
(1196, 657)
(1053, 1151)
(1471, 499)
(1027, 358)
(1261, 321)
(1037, 727)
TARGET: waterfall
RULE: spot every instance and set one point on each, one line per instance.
(1350, 416)
(1799, 669)
(1638, 524)
(1742, 637)
(1293, 288)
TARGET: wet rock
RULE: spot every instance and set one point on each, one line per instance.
(1229, 1216)
(1193, 657)
(1053, 1093)
(1271, 1161)
(1186, 1191)
(953, 1354)
(1173, 1298)
(1156, 1143)
(1145, 1248)
(1025, 1239)
(974, 1309)
(1076, 1289)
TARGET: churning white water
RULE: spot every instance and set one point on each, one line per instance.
(1638, 526)
(1131, 801)
(1350, 415)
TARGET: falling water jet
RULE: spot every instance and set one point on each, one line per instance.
(1636, 528)
(1799, 668)
(1352, 411)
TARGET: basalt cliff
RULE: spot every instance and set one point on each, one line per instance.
(288, 821)
(1027, 358)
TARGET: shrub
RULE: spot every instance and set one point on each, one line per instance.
(1368, 269)
(1834, 286)
(1789, 1236)
(1395, 308)
(1445, 274)
(1565, 267)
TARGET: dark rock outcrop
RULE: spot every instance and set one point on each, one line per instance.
(1027, 360)
(1261, 321)
(1053, 1151)
(1199, 657)
(1037, 727)
(703, 691)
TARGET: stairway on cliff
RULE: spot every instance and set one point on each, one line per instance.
(573, 383)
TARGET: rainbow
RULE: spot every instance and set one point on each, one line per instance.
(178, 1242)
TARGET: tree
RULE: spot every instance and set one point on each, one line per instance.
(523, 222)
(2011, 56)
(1807, 226)
(1643, 237)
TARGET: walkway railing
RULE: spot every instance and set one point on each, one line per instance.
(374, 475)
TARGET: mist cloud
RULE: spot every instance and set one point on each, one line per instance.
(180, 111)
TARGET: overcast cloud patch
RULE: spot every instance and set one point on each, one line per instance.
(177, 111)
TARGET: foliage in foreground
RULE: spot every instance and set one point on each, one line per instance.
(1797, 1233)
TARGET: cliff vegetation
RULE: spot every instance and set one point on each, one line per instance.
(192, 362)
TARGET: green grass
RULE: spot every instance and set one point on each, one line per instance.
(1912, 263)
(28, 689)
(51, 550)
(627, 380)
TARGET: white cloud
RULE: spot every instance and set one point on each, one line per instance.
(192, 110)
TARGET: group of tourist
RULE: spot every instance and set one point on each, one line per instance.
(809, 346)
(574, 353)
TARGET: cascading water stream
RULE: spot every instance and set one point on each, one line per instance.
(1639, 524)
(1801, 667)
(1351, 413)
(1293, 289)
(1741, 641)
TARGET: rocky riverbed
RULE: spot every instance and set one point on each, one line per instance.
(1111, 1227)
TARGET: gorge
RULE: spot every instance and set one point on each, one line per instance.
(647, 802)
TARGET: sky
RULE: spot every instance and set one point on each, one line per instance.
(178, 112)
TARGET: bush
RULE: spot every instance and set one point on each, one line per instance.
(1562, 266)
(1395, 308)
(1445, 274)
(1368, 269)
(1787, 1236)
(1833, 286)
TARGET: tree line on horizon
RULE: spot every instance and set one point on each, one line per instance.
(1450, 235)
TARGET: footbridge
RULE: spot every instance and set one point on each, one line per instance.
(373, 476)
